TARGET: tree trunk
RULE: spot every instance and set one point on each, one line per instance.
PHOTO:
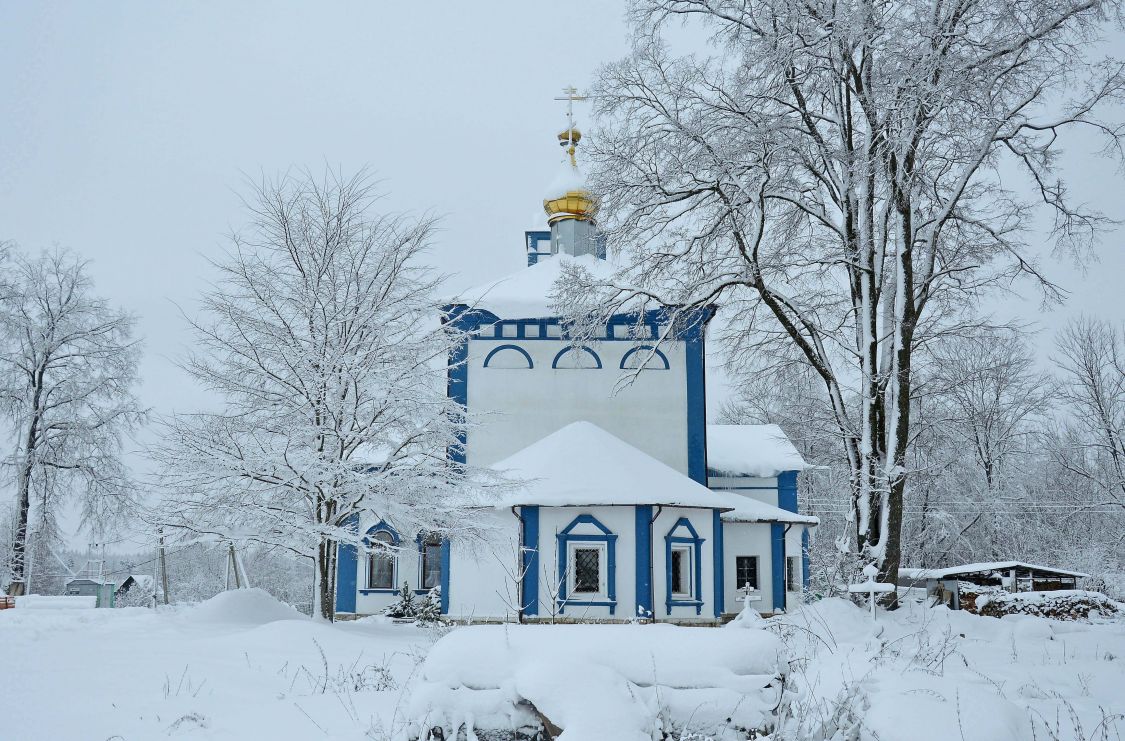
(326, 580)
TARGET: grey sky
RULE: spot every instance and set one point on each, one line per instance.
(127, 126)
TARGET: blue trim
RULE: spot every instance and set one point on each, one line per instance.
(532, 240)
(567, 350)
(529, 554)
(610, 540)
(670, 540)
(777, 564)
(517, 348)
(694, 352)
(787, 491)
(445, 548)
(643, 536)
(472, 320)
(718, 555)
(382, 527)
(655, 352)
(347, 567)
(457, 373)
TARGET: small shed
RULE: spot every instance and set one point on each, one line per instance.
(1014, 576)
(92, 582)
(144, 584)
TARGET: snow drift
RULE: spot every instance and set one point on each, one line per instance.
(595, 682)
(252, 606)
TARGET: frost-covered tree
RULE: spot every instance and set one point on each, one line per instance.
(321, 337)
(68, 369)
(831, 174)
(1091, 357)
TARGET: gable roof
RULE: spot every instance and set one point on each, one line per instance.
(582, 465)
(751, 450)
(526, 294)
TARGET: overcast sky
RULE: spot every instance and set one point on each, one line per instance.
(126, 128)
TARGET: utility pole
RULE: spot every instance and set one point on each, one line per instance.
(163, 567)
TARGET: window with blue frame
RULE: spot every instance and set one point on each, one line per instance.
(587, 565)
(682, 551)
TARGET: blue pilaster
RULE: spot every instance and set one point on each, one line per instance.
(347, 567)
(445, 576)
(777, 562)
(787, 500)
(717, 555)
(643, 538)
(529, 552)
(695, 357)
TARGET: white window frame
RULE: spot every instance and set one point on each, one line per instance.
(390, 554)
(603, 571)
(687, 552)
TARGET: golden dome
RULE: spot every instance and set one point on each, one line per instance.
(570, 135)
(568, 197)
(573, 204)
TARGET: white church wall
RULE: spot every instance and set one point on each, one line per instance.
(702, 520)
(522, 405)
(760, 489)
(484, 573)
(747, 539)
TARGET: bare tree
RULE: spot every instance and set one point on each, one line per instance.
(1091, 356)
(68, 367)
(322, 338)
(994, 398)
(831, 175)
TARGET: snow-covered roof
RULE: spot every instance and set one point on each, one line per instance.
(751, 450)
(977, 568)
(526, 294)
(582, 465)
(745, 509)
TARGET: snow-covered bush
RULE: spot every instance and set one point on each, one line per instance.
(424, 610)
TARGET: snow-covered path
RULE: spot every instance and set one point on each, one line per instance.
(240, 666)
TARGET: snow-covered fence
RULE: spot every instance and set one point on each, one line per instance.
(596, 682)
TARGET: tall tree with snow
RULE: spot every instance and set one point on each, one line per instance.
(321, 337)
(68, 369)
(831, 175)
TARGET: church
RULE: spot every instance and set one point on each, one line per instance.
(630, 505)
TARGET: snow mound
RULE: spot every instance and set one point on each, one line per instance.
(1066, 604)
(251, 606)
(595, 682)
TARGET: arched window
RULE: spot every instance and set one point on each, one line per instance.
(508, 356)
(644, 356)
(576, 357)
(382, 562)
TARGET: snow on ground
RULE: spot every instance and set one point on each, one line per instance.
(239, 666)
(931, 673)
(243, 666)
